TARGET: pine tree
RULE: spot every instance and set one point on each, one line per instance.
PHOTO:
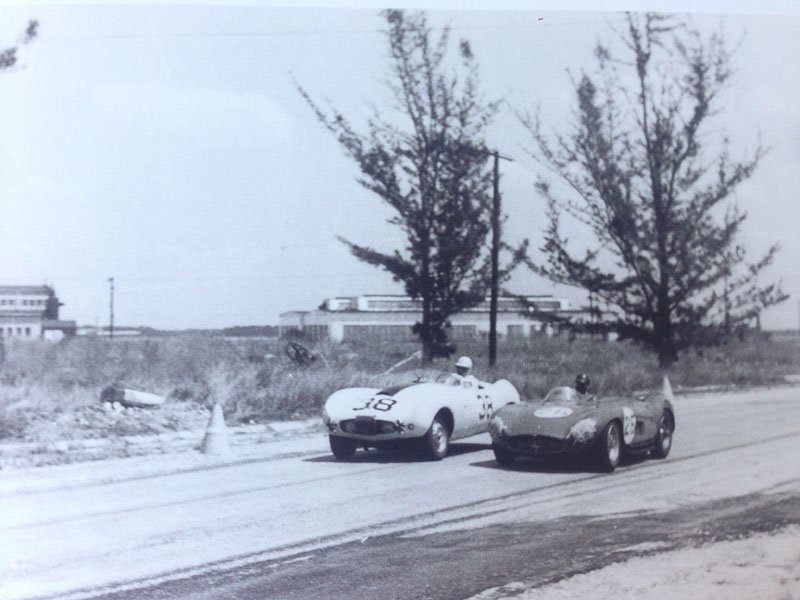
(664, 257)
(433, 171)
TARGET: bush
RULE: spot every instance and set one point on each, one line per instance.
(255, 380)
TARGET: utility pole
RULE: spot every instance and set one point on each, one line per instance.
(495, 280)
(111, 307)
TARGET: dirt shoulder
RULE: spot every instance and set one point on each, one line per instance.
(108, 434)
(765, 565)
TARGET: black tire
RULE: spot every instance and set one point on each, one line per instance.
(663, 441)
(609, 447)
(342, 448)
(436, 440)
(502, 456)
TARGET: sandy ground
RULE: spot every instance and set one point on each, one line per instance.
(765, 566)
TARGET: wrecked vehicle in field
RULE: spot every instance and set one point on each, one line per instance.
(567, 422)
(423, 415)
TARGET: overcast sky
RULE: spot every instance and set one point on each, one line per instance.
(166, 146)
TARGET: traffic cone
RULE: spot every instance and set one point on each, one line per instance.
(216, 440)
(667, 389)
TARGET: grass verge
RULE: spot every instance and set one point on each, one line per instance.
(255, 381)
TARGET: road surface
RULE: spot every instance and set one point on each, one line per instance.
(301, 525)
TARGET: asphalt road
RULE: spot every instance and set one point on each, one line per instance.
(385, 526)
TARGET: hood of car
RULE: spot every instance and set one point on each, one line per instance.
(394, 389)
(397, 402)
(552, 420)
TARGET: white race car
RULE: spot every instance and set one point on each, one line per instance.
(424, 414)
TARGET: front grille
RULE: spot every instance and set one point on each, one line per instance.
(365, 425)
(537, 444)
(368, 426)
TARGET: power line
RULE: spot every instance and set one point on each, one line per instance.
(548, 22)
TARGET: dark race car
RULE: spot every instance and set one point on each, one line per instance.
(567, 422)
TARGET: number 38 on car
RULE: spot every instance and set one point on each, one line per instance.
(421, 415)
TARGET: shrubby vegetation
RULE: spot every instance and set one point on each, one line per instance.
(256, 381)
(647, 171)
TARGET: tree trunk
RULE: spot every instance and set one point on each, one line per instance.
(425, 332)
(663, 334)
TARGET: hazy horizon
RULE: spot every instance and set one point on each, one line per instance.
(167, 146)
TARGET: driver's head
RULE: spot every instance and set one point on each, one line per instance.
(582, 383)
(464, 365)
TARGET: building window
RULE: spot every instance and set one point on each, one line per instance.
(547, 304)
(464, 331)
(28, 331)
(19, 330)
(377, 332)
(316, 332)
(394, 304)
(516, 331)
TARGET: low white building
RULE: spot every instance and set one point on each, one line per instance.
(31, 312)
(391, 317)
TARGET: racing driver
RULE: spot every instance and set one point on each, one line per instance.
(462, 376)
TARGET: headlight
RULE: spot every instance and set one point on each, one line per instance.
(386, 427)
(496, 427)
(331, 424)
(583, 431)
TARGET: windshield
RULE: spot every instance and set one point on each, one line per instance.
(562, 395)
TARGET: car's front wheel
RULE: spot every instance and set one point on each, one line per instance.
(342, 448)
(437, 440)
(502, 456)
(609, 447)
(663, 441)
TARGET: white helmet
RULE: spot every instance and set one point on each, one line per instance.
(464, 361)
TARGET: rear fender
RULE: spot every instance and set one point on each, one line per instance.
(424, 402)
(503, 392)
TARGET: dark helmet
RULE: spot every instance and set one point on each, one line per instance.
(582, 383)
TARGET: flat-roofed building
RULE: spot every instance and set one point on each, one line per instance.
(31, 312)
(391, 317)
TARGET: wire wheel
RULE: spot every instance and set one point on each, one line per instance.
(437, 440)
(342, 448)
(610, 447)
(663, 441)
(502, 456)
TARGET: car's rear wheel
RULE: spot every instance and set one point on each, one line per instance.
(609, 447)
(502, 456)
(437, 440)
(663, 441)
(342, 448)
